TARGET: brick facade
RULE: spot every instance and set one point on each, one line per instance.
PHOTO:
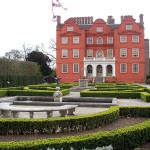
(101, 50)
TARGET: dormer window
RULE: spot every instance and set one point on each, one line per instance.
(128, 27)
(99, 29)
(70, 28)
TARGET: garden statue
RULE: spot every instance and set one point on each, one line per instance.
(57, 95)
(57, 80)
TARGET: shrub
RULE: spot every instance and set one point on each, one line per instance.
(3, 93)
(51, 125)
(145, 96)
(124, 138)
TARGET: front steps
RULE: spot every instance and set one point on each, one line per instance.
(98, 80)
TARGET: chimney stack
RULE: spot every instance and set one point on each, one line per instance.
(141, 19)
(78, 20)
(91, 20)
(84, 20)
(58, 20)
(110, 20)
(121, 19)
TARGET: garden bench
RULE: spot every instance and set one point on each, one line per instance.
(4, 106)
(13, 111)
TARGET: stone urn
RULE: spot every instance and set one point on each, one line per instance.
(83, 82)
(57, 95)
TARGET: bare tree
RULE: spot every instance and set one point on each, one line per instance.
(26, 50)
(50, 54)
(52, 45)
(19, 54)
(14, 54)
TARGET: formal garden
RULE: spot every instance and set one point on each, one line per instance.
(128, 137)
(118, 90)
(116, 128)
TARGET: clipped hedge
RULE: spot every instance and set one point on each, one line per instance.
(64, 85)
(51, 125)
(29, 93)
(3, 93)
(105, 85)
(135, 111)
(124, 138)
(117, 94)
(65, 91)
(38, 86)
(120, 89)
(118, 86)
(42, 88)
(145, 96)
(52, 86)
(35, 92)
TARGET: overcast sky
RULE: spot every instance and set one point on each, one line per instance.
(30, 21)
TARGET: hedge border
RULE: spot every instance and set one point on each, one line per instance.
(51, 125)
(123, 138)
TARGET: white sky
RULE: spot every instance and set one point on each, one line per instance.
(30, 21)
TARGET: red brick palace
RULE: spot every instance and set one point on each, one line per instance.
(101, 51)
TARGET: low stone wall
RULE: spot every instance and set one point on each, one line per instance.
(80, 101)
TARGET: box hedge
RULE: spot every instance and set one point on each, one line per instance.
(124, 138)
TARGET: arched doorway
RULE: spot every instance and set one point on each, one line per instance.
(109, 70)
(89, 71)
(99, 71)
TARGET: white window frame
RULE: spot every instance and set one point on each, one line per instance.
(89, 40)
(89, 53)
(129, 27)
(70, 28)
(76, 40)
(123, 68)
(74, 68)
(64, 68)
(135, 38)
(109, 40)
(75, 53)
(64, 40)
(64, 53)
(99, 40)
(99, 29)
(123, 52)
(135, 68)
(123, 38)
(109, 53)
(135, 52)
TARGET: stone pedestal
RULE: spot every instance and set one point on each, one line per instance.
(83, 82)
(57, 95)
